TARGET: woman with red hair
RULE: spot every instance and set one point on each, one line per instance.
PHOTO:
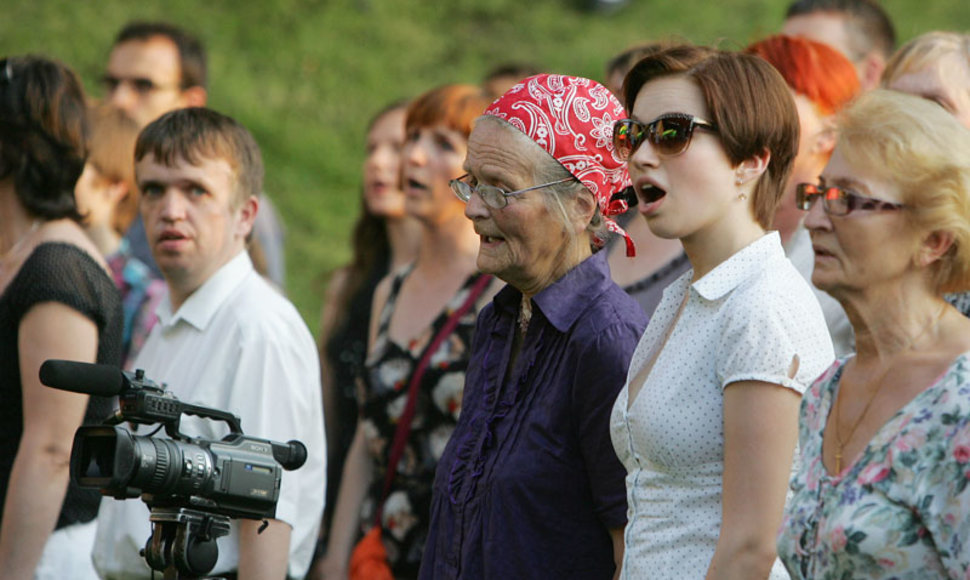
(822, 81)
(415, 339)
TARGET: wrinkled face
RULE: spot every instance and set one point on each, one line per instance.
(143, 79)
(808, 164)
(692, 194)
(525, 243)
(865, 248)
(193, 222)
(432, 157)
(382, 168)
(947, 83)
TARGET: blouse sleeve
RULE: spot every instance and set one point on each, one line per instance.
(600, 375)
(760, 342)
(63, 273)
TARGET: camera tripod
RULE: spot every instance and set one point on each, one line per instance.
(183, 542)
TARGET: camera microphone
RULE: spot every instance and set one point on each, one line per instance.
(85, 378)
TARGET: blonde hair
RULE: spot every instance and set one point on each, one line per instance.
(923, 150)
(111, 151)
(926, 50)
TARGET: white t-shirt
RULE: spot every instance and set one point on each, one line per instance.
(236, 345)
(743, 321)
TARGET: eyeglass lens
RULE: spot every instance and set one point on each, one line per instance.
(670, 135)
(838, 201)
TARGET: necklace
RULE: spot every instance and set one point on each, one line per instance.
(841, 443)
(525, 314)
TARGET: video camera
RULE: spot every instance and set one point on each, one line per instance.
(192, 485)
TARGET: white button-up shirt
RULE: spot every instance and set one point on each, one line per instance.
(237, 345)
(744, 321)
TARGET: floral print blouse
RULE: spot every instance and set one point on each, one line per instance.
(383, 397)
(902, 508)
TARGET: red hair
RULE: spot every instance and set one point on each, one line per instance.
(811, 68)
(455, 106)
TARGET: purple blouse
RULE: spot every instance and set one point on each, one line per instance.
(529, 485)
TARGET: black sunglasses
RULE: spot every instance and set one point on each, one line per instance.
(669, 134)
(838, 201)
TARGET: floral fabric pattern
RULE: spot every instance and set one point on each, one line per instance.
(387, 374)
(141, 292)
(902, 508)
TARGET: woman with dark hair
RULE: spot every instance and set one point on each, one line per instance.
(707, 422)
(56, 301)
(423, 313)
(384, 240)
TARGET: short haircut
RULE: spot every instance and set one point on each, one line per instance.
(196, 133)
(454, 106)
(192, 57)
(111, 151)
(922, 149)
(749, 103)
(812, 69)
(869, 24)
(43, 134)
(924, 51)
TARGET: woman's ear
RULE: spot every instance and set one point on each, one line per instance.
(585, 208)
(753, 167)
(933, 247)
(115, 192)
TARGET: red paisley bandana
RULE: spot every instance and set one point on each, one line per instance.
(572, 119)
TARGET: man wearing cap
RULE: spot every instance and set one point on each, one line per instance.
(529, 485)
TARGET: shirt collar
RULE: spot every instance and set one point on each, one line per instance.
(199, 308)
(565, 300)
(750, 260)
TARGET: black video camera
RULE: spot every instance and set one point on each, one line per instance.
(191, 482)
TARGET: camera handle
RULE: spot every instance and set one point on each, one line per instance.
(183, 542)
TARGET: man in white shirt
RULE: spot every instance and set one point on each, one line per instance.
(156, 67)
(225, 339)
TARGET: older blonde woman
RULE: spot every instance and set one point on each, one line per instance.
(881, 490)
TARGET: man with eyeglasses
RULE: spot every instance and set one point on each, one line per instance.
(154, 68)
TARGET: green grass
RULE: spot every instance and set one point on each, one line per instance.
(306, 75)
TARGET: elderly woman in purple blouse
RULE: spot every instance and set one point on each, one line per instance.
(529, 485)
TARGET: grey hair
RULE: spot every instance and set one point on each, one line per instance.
(546, 169)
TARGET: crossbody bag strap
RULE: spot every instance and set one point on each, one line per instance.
(404, 422)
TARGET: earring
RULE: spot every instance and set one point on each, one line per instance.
(739, 181)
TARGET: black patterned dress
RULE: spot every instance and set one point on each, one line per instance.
(387, 376)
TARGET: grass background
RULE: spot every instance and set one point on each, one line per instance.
(305, 76)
